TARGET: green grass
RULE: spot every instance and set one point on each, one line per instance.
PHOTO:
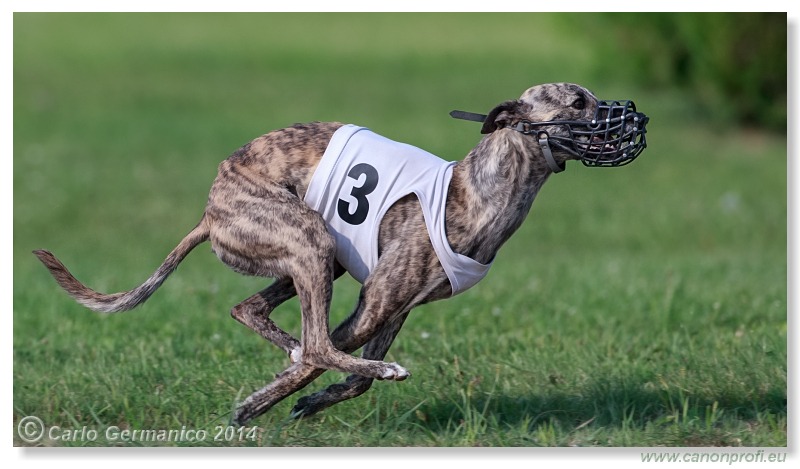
(640, 306)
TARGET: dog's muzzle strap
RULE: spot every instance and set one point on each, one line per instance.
(544, 144)
(468, 116)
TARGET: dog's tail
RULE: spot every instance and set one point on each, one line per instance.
(124, 301)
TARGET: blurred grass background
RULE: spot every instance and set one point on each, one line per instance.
(648, 301)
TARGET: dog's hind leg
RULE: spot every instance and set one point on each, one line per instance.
(266, 231)
(254, 313)
(354, 385)
(409, 274)
(298, 375)
(291, 380)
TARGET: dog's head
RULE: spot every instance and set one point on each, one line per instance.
(569, 122)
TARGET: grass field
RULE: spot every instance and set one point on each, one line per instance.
(639, 306)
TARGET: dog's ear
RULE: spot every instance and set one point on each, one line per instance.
(500, 116)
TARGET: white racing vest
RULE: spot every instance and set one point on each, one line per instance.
(361, 175)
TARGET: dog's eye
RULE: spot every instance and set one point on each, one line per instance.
(579, 103)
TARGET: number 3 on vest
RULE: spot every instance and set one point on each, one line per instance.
(359, 193)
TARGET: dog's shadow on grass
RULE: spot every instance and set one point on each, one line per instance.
(614, 412)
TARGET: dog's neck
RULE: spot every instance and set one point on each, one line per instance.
(491, 193)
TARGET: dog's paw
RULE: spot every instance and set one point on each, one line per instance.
(395, 372)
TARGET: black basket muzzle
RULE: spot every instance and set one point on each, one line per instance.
(614, 137)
